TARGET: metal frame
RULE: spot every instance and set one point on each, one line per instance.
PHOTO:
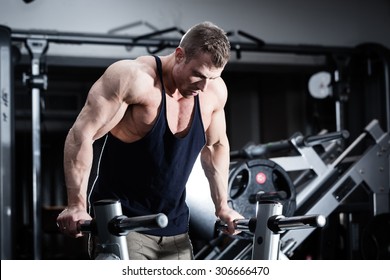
(156, 43)
(111, 228)
(270, 224)
(6, 144)
(372, 168)
(37, 82)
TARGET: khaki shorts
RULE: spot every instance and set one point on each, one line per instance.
(149, 247)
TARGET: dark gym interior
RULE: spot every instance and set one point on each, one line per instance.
(345, 178)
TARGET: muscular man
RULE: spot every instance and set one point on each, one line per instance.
(153, 115)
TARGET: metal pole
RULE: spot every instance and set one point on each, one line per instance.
(37, 82)
(265, 241)
(148, 40)
(6, 144)
(110, 245)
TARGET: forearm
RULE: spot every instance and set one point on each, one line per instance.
(215, 163)
(78, 154)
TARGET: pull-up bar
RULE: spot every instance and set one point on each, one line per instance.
(151, 40)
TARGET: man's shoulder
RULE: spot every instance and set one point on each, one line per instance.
(219, 91)
(134, 72)
(134, 79)
(143, 64)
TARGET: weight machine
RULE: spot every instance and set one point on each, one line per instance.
(269, 224)
(339, 179)
(111, 227)
(324, 183)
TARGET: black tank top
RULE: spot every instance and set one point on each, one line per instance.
(149, 176)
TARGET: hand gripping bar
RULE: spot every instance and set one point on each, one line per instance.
(277, 223)
(122, 225)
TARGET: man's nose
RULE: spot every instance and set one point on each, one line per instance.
(202, 85)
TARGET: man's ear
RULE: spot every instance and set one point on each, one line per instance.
(179, 54)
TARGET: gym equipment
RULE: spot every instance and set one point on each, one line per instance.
(248, 178)
(111, 227)
(330, 183)
(336, 181)
(309, 159)
(6, 143)
(37, 81)
(319, 85)
(270, 223)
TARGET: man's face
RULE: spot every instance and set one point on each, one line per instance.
(193, 77)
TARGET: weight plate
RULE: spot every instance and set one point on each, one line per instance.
(247, 178)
